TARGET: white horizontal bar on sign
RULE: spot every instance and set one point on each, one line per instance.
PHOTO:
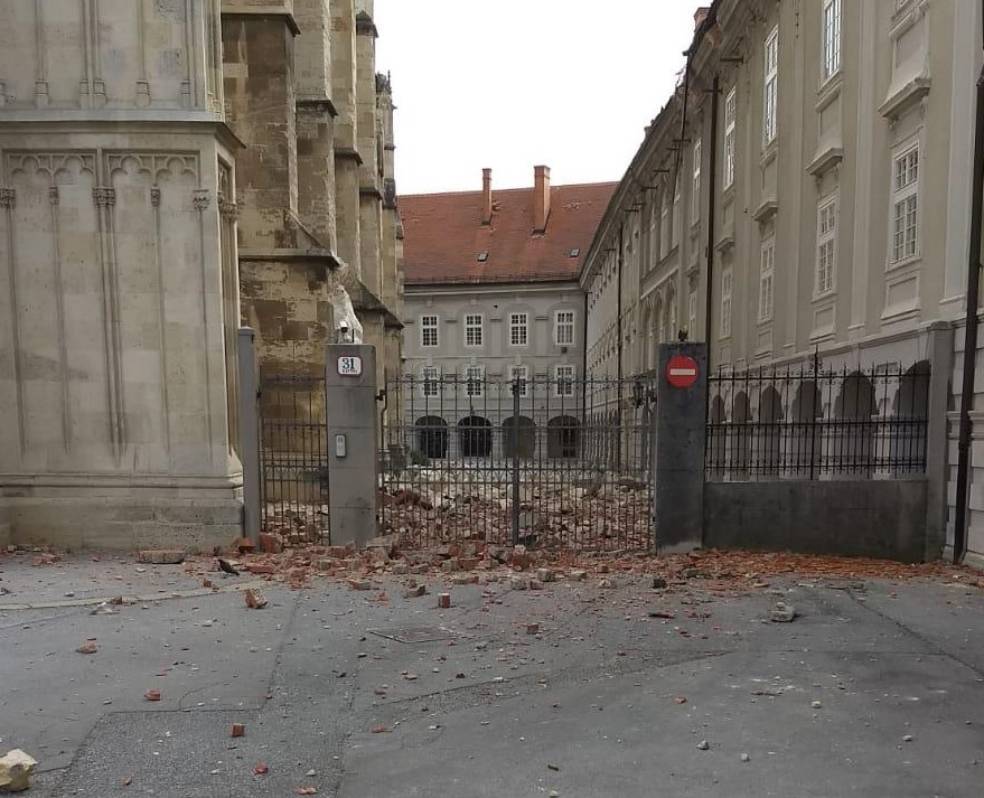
(683, 372)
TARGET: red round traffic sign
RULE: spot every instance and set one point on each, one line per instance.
(681, 371)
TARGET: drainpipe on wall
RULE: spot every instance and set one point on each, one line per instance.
(970, 332)
(584, 363)
(712, 196)
(618, 313)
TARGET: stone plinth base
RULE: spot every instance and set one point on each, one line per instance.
(122, 520)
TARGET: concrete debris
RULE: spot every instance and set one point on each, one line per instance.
(658, 583)
(443, 601)
(816, 704)
(103, 608)
(546, 575)
(16, 769)
(532, 628)
(255, 600)
(519, 583)
(161, 556)
(415, 592)
(782, 613)
(703, 745)
(360, 584)
(745, 758)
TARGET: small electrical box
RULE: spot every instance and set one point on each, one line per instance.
(340, 445)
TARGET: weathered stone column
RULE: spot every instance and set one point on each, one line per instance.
(678, 451)
(350, 377)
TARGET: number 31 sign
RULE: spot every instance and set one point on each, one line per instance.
(350, 366)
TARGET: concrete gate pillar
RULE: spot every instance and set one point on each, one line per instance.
(678, 449)
(350, 380)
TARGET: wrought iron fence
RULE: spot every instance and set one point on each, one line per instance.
(539, 460)
(294, 456)
(814, 423)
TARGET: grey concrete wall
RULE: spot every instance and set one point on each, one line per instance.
(353, 475)
(864, 518)
(679, 452)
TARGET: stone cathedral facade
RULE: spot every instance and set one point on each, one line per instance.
(170, 169)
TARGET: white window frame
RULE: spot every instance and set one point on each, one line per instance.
(727, 289)
(654, 211)
(426, 326)
(695, 185)
(904, 231)
(665, 221)
(672, 321)
(770, 88)
(692, 316)
(558, 325)
(677, 208)
(430, 382)
(472, 326)
(730, 124)
(474, 385)
(830, 39)
(519, 321)
(564, 376)
(524, 387)
(767, 280)
(826, 251)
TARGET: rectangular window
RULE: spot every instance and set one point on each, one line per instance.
(831, 38)
(521, 373)
(474, 380)
(428, 330)
(695, 186)
(692, 316)
(726, 281)
(474, 331)
(677, 208)
(826, 246)
(431, 381)
(770, 89)
(767, 267)
(564, 327)
(564, 380)
(665, 234)
(730, 120)
(905, 206)
(519, 330)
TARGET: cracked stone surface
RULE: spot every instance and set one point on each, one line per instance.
(586, 706)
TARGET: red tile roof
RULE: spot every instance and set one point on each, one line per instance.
(444, 235)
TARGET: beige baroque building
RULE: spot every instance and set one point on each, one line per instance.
(492, 296)
(126, 233)
(805, 189)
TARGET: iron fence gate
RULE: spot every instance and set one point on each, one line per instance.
(558, 461)
(293, 457)
(815, 423)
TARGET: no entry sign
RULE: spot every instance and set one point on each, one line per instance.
(681, 371)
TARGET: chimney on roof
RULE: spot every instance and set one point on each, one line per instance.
(486, 196)
(541, 198)
(700, 15)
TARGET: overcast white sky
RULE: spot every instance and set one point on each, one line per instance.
(512, 83)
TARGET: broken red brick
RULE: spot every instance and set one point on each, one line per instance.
(306, 791)
(359, 584)
(260, 568)
(237, 730)
(153, 695)
(270, 544)
(261, 769)
(255, 600)
(244, 545)
(380, 729)
(532, 628)
(88, 647)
